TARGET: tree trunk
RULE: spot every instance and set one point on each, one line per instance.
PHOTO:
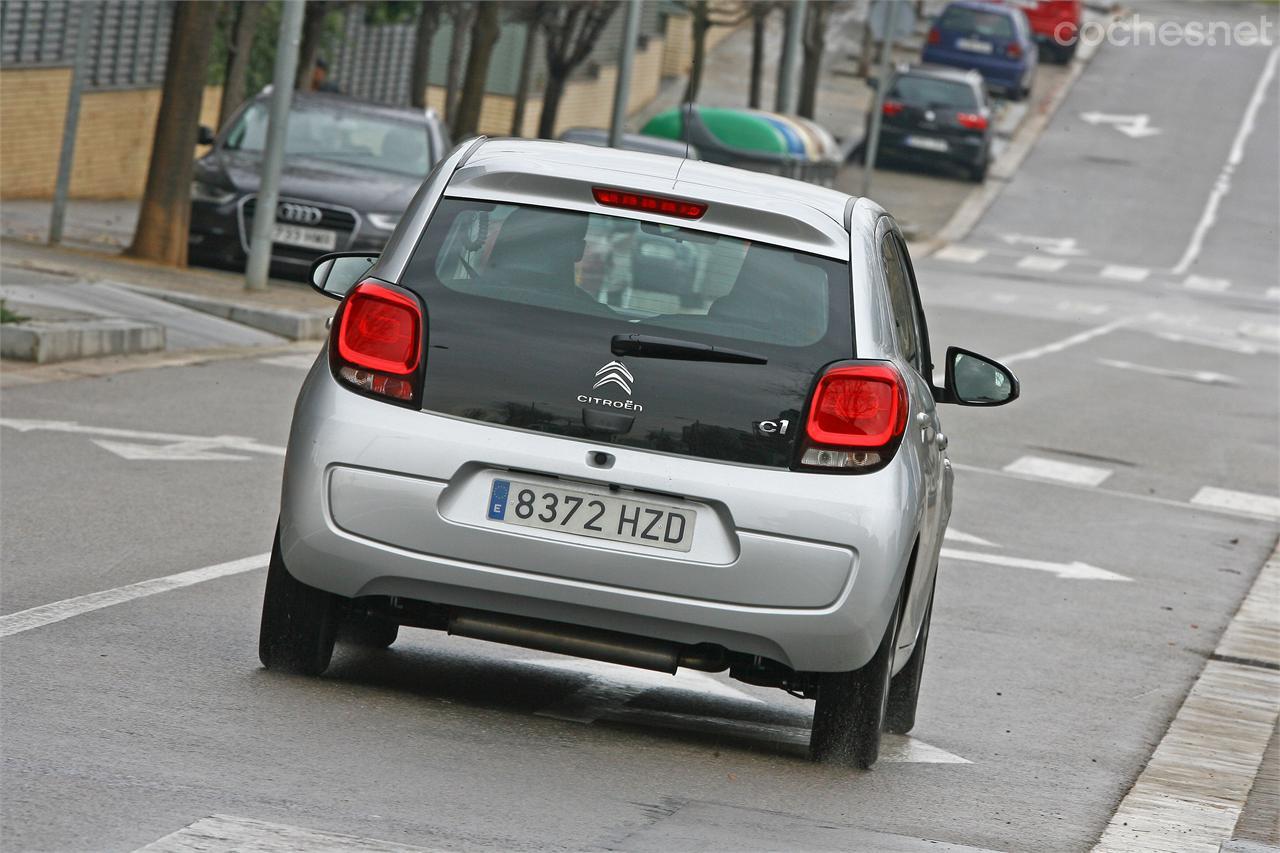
(309, 49)
(165, 212)
(701, 23)
(814, 43)
(758, 21)
(868, 45)
(522, 85)
(419, 79)
(461, 19)
(550, 106)
(239, 44)
(484, 35)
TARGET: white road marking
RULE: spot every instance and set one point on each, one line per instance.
(1119, 272)
(1190, 794)
(1261, 331)
(968, 538)
(47, 614)
(222, 442)
(1066, 343)
(1091, 308)
(1238, 501)
(298, 361)
(1039, 263)
(1052, 469)
(1075, 570)
(227, 834)
(960, 254)
(1208, 377)
(1205, 284)
(1004, 298)
(1226, 345)
(1133, 126)
(182, 451)
(1273, 293)
(1223, 184)
(1065, 246)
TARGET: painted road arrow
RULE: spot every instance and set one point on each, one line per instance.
(1134, 126)
(177, 446)
(1070, 571)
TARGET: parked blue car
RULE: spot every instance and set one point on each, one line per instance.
(995, 41)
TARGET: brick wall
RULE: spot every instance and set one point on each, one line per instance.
(113, 144)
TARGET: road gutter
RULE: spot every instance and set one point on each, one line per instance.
(1193, 789)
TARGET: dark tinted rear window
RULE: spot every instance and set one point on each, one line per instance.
(977, 22)
(930, 91)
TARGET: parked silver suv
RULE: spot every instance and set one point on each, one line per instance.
(619, 405)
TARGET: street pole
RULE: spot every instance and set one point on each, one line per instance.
(785, 99)
(622, 88)
(264, 217)
(882, 84)
(66, 157)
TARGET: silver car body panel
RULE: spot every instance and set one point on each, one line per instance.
(799, 567)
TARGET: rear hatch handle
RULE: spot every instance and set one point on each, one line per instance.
(649, 346)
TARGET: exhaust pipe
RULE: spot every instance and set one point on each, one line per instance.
(593, 643)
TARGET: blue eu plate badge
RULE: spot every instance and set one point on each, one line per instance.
(498, 499)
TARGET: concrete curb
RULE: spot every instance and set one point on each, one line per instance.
(1002, 171)
(285, 322)
(45, 341)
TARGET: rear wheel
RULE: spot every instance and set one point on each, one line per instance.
(850, 711)
(299, 622)
(904, 688)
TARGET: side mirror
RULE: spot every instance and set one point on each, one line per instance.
(975, 380)
(205, 135)
(333, 275)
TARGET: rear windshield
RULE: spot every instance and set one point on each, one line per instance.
(977, 22)
(652, 275)
(930, 91)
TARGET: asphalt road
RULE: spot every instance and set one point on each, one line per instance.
(1044, 694)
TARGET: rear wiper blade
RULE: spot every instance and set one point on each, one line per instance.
(648, 346)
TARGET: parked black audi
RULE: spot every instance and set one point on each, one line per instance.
(350, 169)
(937, 115)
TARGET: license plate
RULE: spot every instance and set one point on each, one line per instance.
(307, 238)
(586, 514)
(974, 45)
(925, 143)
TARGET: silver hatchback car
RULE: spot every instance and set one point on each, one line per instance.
(628, 407)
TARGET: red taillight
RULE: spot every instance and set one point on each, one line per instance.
(973, 121)
(857, 417)
(1013, 51)
(892, 108)
(935, 37)
(379, 340)
(655, 204)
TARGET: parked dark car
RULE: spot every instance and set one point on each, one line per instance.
(350, 169)
(991, 39)
(937, 115)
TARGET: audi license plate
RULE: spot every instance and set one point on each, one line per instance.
(586, 514)
(307, 238)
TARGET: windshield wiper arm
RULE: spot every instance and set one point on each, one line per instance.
(648, 346)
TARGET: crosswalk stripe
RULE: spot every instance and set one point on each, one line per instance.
(961, 254)
(1052, 469)
(1039, 263)
(1120, 272)
(1206, 284)
(1239, 501)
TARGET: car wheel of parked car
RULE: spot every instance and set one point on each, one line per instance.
(1064, 53)
(850, 711)
(904, 688)
(299, 622)
(368, 630)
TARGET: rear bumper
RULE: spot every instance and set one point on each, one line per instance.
(962, 150)
(799, 568)
(997, 72)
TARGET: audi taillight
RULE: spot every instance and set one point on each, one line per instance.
(683, 208)
(892, 108)
(935, 37)
(376, 343)
(973, 121)
(857, 417)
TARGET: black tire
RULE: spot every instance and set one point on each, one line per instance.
(1064, 53)
(849, 714)
(299, 622)
(369, 631)
(904, 689)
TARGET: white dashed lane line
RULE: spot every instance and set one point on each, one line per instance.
(1237, 501)
(1052, 469)
(961, 254)
(1204, 284)
(1040, 263)
(1120, 272)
